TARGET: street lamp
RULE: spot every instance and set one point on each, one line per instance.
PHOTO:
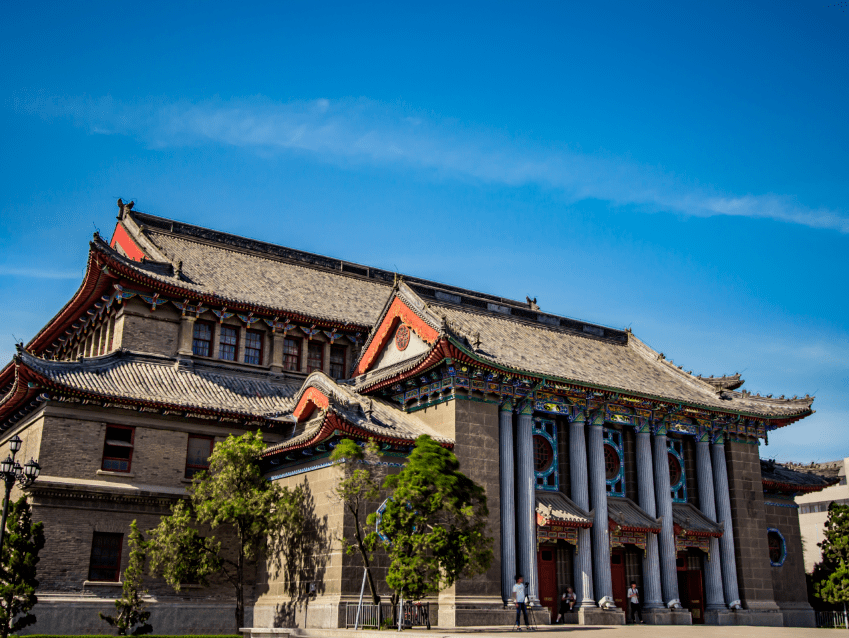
(12, 472)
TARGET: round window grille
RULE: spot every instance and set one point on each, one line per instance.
(777, 548)
(402, 337)
(674, 470)
(543, 454)
(611, 462)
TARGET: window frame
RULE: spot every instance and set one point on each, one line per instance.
(197, 468)
(117, 566)
(235, 345)
(211, 326)
(344, 350)
(299, 343)
(261, 335)
(131, 446)
(321, 368)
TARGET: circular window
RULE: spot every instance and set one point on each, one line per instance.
(612, 462)
(402, 337)
(674, 470)
(543, 454)
(777, 547)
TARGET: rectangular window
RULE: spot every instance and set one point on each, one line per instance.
(292, 354)
(118, 448)
(228, 344)
(105, 562)
(197, 457)
(202, 340)
(253, 347)
(315, 356)
(337, 362)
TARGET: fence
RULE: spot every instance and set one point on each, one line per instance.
(414, 615)
(833, 619)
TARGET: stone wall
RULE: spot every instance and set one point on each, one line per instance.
(788, 580)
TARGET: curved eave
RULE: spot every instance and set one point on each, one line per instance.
(680, 529)
(95, 283)
(23, 393)
(133, 274)
(450, 348)
(22, 396)
(792, 488)
(629, 528)
(555, 523)
(333, 424)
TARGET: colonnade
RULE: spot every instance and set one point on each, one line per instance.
(592, 577)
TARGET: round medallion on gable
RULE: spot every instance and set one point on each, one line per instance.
(402, 337)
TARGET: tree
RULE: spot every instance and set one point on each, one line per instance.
(21, 545)
(132, 617)
(435, 523)
(831, 575)
(249, 512)
(359, 485)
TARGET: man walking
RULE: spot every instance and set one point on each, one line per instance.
(521, 597)
(634, 609)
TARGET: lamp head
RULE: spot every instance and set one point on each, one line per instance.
(31, 470)
(6, 466)
(15, 443)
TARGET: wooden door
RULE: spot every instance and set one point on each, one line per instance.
(695, 592)
(617, 575)
(547, 570)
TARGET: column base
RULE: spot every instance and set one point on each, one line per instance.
(798, 615)
(597, 616)
(665, 616)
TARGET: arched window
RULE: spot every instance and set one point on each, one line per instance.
(777, 547)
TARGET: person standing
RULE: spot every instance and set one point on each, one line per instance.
(521, 597)
(634, 608)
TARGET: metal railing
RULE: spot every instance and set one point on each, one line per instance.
(832, 619)
(371, 615)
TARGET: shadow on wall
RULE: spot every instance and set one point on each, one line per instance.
(301, 560)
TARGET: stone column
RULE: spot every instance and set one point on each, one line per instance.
(526, 524)
(583, 566)
(598, 499)
(652, 597)
(713, 569)
(187, 333)
(508, 503)
(277, 351)
(663, 495)
(723, 512)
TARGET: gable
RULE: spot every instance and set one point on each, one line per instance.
(402, 334)
(313, 398)
(124, 244)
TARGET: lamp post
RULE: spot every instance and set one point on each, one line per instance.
(12, 472)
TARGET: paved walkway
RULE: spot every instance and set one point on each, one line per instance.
(586, 631)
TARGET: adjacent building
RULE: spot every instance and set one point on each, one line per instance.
(813, 507)
(603, 461)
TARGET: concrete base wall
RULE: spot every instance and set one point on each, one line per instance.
(798, 615)
(596, 616)
(72, 615)
(667, 616)
(322, 612)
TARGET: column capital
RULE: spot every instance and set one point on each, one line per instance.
(526, 407)
(719, 439)
(507, 406)
(661, 427)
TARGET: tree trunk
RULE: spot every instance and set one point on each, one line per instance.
(240, 591)
(374, 597)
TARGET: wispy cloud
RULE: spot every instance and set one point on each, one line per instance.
(360, 131)
(37, 273)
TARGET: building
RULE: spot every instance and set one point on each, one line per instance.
(603, 462)
(813, 507)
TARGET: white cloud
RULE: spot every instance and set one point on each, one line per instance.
(364, 131)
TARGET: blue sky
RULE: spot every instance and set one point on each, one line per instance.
(679, 168)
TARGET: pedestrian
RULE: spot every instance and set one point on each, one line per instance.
(565, 606)
(521, 597)
(634, 608)
(570, 596)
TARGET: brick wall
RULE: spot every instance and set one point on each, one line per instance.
(788, 581)
(141, 330)
(754, 574)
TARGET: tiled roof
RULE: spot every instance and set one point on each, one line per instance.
(776, 476)
(558, 508)
(368, 414)
(629, 516)
(157, 379)
(729, 382)
(693, 521)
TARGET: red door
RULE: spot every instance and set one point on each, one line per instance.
(696, 595)
(547, 569)
(617, 574)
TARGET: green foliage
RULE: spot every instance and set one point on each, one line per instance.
(360, 484)
(831, 575)
(110, 636)
(132, 617)
(240, 506)
(436, 522)
(19, 557)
